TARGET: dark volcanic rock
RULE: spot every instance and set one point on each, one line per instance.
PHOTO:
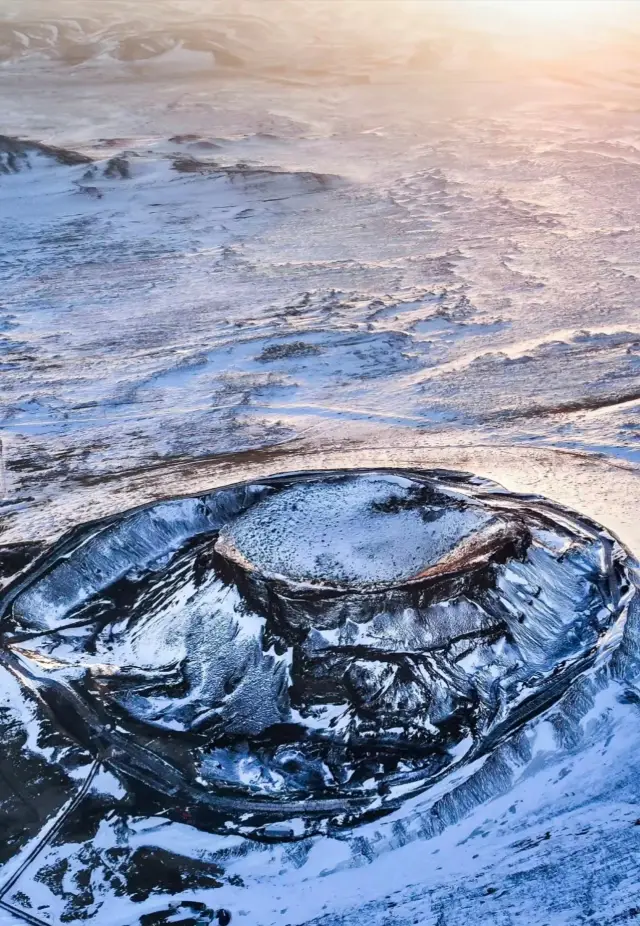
(312, 647)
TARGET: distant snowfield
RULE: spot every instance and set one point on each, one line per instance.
(192, 295)
(212, 275)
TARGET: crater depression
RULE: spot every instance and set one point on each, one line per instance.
(309, 650)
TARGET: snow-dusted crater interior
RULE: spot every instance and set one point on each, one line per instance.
(309, 651)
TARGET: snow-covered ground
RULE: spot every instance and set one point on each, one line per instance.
(248, 239)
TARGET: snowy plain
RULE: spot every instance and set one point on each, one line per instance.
(243, 243)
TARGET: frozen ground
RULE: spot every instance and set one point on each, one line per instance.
(249, 261)
(247, 244)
